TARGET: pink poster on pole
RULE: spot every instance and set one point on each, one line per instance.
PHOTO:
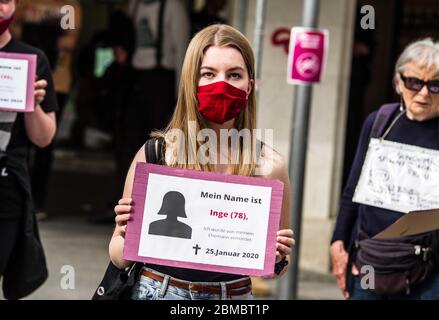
(307, 55)
(203, 220)
(17, 78)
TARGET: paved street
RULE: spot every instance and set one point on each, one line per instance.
(73, 242)
(80, 189)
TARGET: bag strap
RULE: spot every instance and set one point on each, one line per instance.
(154, 151)
(383, 118)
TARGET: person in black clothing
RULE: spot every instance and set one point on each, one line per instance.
(140, 86)
(86, 100)
(116, 105)
(38, 23)
(162, 34)
(22, 262)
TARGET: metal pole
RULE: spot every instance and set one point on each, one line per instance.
(259, 39)
(299, 133)
(242, 15)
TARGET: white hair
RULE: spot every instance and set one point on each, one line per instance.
(424, 53)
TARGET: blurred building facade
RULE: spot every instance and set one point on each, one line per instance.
(397, 22)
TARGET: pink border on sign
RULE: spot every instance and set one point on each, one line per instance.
(134, 227)
(31, 74)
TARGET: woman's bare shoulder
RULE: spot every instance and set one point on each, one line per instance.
(272, 164)
(140, 156)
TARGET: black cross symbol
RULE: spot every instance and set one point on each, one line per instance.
(196, 248)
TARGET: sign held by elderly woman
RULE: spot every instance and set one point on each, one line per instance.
(399, 177)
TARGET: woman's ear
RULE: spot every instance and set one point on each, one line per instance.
(399, 86)
(251, 85)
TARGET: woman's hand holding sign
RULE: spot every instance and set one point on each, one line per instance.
(284, 244)
(122, 211)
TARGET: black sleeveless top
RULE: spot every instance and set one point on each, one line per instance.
(192, 275)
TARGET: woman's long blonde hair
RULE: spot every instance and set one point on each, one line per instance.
(187, 104)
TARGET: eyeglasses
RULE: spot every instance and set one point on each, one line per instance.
(416, 84)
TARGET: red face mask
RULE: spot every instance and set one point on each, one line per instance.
(220, 102)
(4, 24)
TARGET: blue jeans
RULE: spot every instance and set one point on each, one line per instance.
(151, 289)
(428, 290)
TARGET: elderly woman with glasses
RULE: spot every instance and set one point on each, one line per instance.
(412, 122)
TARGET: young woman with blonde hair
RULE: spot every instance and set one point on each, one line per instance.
(216, 93)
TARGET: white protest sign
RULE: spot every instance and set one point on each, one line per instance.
(399, 177)
(13, 84)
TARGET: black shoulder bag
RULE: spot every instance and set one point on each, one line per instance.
(118, 284)
(398, 263)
